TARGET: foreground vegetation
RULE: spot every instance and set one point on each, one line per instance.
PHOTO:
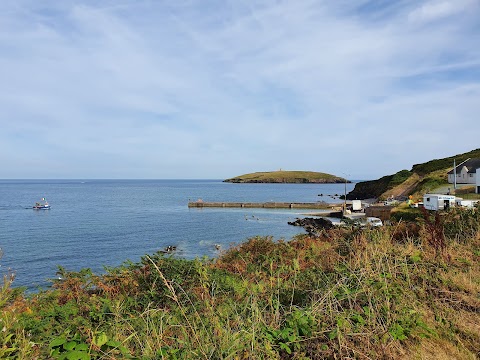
(410, 290)
(297, 177)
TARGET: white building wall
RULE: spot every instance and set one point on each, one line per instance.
(463, 177)
(438, 201)
(472, 178)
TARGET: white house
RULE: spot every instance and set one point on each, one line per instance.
(465, 172)
(438, 201)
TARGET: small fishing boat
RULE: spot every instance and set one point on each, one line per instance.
(42, 205)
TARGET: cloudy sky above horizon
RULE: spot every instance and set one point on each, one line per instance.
(214, 89)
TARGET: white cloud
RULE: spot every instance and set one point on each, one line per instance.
(438, 9)
(144, 89)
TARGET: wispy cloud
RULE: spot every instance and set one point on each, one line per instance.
(438, 9)
(215, 88)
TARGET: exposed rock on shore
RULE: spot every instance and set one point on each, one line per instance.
(312, 225)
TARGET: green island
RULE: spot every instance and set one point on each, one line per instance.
(291, 177)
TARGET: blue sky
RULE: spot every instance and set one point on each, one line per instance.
(215, 89)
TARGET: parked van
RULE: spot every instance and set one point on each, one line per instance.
(356, 205)
(438, 201)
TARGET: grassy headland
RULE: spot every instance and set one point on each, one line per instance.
(422, 178)
(293, 177)
(410, 291)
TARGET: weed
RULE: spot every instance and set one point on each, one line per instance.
(434, 229)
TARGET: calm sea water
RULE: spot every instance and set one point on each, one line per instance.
(97, 223)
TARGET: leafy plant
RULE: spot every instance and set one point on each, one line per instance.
(75, 348)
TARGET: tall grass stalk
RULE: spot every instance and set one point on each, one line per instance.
(173, 295)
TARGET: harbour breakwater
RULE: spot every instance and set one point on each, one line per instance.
(270, 205)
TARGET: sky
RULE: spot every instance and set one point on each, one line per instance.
(200, 89)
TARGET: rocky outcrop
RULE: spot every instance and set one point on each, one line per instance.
(369, 189)
(312, 225)
(374, 189)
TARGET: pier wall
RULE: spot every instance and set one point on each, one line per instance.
(271, 205)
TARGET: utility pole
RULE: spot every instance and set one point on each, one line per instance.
(454, 175)
(345, 196)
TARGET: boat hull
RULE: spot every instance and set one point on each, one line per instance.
(41, 208)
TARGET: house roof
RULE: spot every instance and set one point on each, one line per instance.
(471, 164)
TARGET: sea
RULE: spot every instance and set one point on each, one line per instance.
(98, 224)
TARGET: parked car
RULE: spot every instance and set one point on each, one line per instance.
(417, 205)
(374, 221)
(362, 222)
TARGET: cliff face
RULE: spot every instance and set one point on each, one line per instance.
(422, 178)
(370, 189)
(376, 188)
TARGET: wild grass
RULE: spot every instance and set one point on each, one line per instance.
(409, 290)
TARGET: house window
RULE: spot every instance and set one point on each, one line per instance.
(471, 175)
(428, 199)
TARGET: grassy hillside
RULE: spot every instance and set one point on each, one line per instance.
(409, 291)
(420, 179)
(287, 177)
